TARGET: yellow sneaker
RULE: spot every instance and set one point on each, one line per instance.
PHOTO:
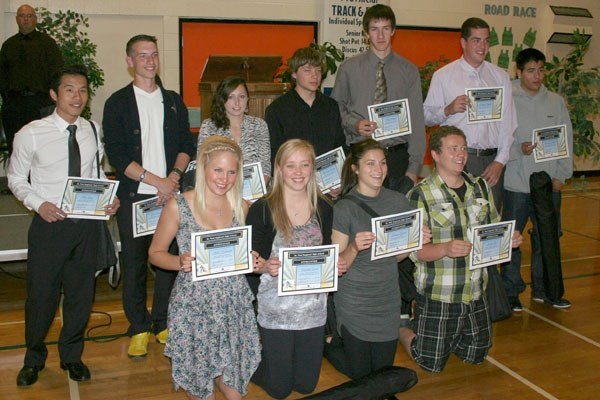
(161, 337)
(138, 345)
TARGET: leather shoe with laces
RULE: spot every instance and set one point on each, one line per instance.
(28, 375)
(77, 371)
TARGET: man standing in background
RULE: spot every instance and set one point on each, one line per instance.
(357, 87)
(305, 112)
(61, 250)
(446, 104)
(28, 60)
(537, 108)
(148, 141)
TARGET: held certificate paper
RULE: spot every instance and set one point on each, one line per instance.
(254, 182)
(221, 252)
(86, 197)
(392, 117)
(307, 270)
(485, 104)
(492, 244)
(329, 169)
(551, 143)
(396, 234)
(191, 166)
(145, 216)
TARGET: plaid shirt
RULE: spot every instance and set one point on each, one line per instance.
(449, 279)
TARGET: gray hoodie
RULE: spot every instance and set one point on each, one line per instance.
(543, 110)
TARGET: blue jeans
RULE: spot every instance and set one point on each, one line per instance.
(518, 206)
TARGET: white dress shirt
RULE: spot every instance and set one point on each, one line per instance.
(41, 152)
(451, 81)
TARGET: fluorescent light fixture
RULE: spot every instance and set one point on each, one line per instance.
(571, 11)
(566, 38)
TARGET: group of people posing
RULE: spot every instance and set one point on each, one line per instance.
(225, 332)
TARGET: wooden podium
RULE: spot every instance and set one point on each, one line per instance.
(256, 70)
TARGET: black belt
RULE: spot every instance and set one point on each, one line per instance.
(396, 147)
(482, 152)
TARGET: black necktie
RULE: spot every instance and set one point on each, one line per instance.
(74, 156)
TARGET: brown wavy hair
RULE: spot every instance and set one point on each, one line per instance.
(224, 89)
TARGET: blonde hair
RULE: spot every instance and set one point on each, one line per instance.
(210, 147)
(275, 198)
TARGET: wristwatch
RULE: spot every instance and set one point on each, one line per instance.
(177, 171)
(142, 176)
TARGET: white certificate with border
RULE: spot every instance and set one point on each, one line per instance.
(397, 234)
(485, 104)
(306, 270)
(329, 169)
(492, 244)
(221, 252)
(551, 143)
(254, 182)
(86, 198)
(145, 215)
(392, 117)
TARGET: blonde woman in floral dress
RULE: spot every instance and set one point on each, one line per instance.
(213, 335)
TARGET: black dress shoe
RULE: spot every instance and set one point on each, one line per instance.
(28, 375)
(77, 371)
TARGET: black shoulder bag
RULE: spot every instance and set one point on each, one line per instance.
(106, 255)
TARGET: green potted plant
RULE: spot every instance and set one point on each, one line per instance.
(333, 56)
(74, 44)
(580, 87)
(427, 70)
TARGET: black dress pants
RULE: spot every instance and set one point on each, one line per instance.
(60, 256)
(134, 255)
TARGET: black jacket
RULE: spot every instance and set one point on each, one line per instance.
(123, 139)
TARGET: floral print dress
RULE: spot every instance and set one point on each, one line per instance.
(212, 325)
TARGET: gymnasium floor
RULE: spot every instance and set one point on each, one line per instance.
(540, 353)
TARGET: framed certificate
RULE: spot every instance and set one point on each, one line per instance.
(307, 270)
(485, 104)
(551, 143)
(329, 169)
(397, 234)
(86, 197)
(221, 252)
(254, 182)
(492, 244)
(392, 117)
(145, 216)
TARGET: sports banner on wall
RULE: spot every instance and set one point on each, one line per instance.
(342, 26)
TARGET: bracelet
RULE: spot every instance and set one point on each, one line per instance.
(177, 171)
(142, 176)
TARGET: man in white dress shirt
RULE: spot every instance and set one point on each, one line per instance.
(61, 250)
(446, 104)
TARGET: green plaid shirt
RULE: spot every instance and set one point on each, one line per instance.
(448, 279)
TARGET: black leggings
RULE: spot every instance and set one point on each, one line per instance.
(363, 357)
(291, 360)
